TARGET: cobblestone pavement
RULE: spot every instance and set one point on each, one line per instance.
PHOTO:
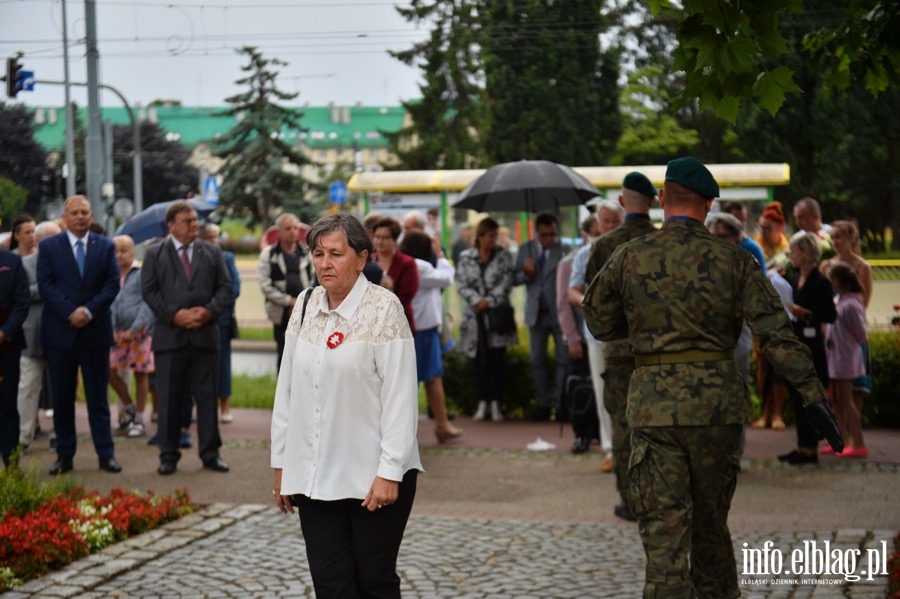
(490, 521)
(252, 551)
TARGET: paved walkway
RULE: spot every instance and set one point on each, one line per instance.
(491, 520)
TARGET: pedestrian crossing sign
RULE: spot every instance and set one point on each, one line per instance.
(211, 191)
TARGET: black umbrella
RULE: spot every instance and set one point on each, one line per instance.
(151, 221)
(526, 186)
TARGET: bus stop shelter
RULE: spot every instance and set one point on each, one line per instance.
(393, 191)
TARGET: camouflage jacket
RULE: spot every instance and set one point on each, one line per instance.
(634, 226)
(681, 289)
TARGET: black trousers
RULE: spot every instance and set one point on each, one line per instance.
(9, 410)
(489, 366)
(807, 436)
(176, 371)
(352, 552)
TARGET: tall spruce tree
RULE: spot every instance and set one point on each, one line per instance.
(551, 93)
(257, 177)
(444, 122)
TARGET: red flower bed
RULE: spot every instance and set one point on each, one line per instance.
(74, 525)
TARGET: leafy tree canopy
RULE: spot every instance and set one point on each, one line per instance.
(22, 159)
(12, 201)
(650, 134)
(166, 173)
(729, 49)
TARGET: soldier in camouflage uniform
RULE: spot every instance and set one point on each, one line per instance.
(679, 295)
(638, 194)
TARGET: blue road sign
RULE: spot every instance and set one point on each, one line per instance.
(211, 190)
(337, 192)
(26, 81)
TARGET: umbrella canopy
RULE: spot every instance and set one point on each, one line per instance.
(151, 221)
(270, 235)
(526, 186)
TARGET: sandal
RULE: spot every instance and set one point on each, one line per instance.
(778, 424)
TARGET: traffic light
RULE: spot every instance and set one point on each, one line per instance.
(13, 77)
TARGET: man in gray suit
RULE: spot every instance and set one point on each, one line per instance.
(186, 283)
(536, 263)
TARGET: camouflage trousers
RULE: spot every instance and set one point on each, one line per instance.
(681, 481)
(615, 400)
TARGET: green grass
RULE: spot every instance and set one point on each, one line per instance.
(237, 227)
(253, 391)
(257, 334)
(258, 392)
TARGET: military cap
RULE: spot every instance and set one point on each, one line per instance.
(639, 182)
(690, 173)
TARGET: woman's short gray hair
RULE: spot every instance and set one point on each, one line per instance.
(809, 243)
(342, 222)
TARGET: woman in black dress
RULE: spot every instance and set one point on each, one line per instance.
(813, 306)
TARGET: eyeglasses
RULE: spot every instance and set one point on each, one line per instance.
(766, 229)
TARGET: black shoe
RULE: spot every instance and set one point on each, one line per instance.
(216, 464)
(541, 414)
(798, 458)
(581, 445)
(61, 466)
(110, 465)
(166, 468)
(624, 512)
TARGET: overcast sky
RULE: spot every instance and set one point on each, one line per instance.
(162, 49)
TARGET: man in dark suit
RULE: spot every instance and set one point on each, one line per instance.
(15, 298)
(536, 263)
(78, 278)
(186, 283)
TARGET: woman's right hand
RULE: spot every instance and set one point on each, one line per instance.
(800, 312)
(282, 501)
(482, 306)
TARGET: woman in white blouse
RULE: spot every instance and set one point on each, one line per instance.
(344, 422)
(428, 314)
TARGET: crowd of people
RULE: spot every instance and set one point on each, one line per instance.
(661, 322)
(484, 270)
(77, 305)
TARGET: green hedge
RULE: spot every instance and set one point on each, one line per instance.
(880, 410)
(459, 383)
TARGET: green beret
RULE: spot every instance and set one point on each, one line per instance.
(690, 173)
(639, 182)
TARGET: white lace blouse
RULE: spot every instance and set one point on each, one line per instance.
(346, 402)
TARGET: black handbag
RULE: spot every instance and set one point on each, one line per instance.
(577, 404)
(501, 319)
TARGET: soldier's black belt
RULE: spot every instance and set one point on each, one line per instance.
(682, 357)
